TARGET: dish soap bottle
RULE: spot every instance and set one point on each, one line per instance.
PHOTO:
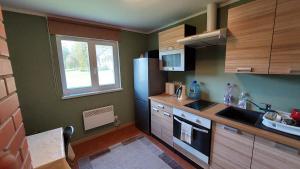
(243, 100)
(194, 91)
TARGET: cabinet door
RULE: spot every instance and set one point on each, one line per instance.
(270, 155)
(167, 128)
(285, 55)
(232, 148)
(155, 122)
(250, 31)
(167, 39)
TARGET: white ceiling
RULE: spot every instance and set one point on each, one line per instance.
(139, 15)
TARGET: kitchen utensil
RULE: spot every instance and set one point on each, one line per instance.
(170, 88)
(179, 92)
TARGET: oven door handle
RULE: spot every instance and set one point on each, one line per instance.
(200, 130)
(194, 128)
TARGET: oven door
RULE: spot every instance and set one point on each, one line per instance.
(201, 136)
(172, 60)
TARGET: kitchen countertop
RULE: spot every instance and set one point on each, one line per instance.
(210, 113)
(46, 148)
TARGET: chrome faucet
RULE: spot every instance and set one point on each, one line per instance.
(266, 109)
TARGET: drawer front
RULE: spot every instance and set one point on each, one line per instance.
(232, 148)
(269, 154)
(162, 107)
(193, 118)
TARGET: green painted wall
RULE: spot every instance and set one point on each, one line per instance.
(282, 91)
(38, 79)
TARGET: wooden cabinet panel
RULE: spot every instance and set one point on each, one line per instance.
(232, 148)
(162, 122)
(270, 155)
(155, 122)
(285, 55)
(250, 31)
(162, 107)
(167, 128)
(167, 136)
(168, 38)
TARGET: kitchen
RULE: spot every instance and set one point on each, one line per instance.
(243, 134)
(210, 84)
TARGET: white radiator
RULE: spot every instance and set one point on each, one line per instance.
(98, 117)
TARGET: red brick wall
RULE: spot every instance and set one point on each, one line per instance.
(12, 133)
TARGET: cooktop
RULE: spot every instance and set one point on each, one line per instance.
(200, 104)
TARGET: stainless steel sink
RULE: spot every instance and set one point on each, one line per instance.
(240, 115)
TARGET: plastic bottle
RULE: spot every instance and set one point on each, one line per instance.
(243, 100)
(194, 91)
(228, 96)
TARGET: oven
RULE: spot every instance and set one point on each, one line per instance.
(199, 146)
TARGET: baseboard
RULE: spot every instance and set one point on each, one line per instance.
(91, 137)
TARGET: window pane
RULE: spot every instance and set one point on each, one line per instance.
(76, 63)
(105, 64)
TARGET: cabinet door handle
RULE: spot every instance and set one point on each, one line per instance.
(232, 130)
(294, 71)
(198, 121)
(244, 69)
(155, 109)
(286, 148)
(160, 106)
(167, 114)
(170, 48)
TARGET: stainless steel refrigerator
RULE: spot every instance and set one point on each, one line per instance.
(148, 81)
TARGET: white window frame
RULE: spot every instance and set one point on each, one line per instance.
(95, 88)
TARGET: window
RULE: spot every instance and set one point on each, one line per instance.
(88, 66)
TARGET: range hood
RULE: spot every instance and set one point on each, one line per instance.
(217, 37)
(211, 36)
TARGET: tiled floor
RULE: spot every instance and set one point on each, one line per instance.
(104, 141)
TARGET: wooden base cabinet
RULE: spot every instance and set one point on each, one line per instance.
(232, 148)
(271, 155)
(235, 149)
(162, 122)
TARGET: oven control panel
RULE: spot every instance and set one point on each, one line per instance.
(193, 118)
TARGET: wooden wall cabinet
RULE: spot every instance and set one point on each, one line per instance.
(264, 38)
(168, 39)
(250, 31)
(285, 55)
(162, 122)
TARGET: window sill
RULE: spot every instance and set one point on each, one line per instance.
(91, 93)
